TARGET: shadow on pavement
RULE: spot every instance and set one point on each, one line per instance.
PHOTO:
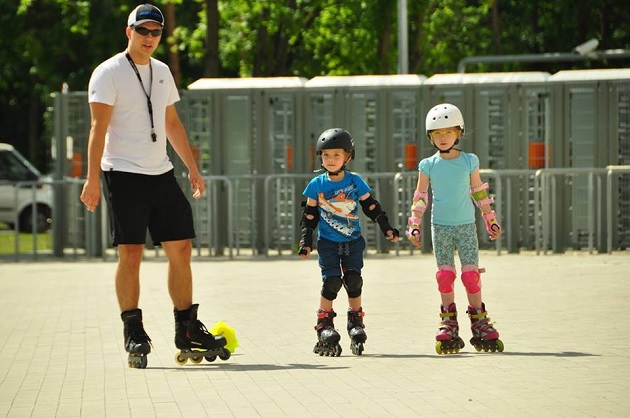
(249, 367)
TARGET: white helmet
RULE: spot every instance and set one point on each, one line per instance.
(442, 116)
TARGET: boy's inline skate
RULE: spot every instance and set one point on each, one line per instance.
(137, 342)
(194, 341)
(447, 338)
(327, 336)
(356, 331)
(485, 336)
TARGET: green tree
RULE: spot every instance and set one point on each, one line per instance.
(46, 43)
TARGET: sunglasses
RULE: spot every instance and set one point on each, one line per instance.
(144, 31)
(444, 132)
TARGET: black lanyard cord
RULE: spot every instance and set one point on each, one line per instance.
(148, 95)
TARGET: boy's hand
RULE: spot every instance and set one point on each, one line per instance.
(304, 252)
(393, 235)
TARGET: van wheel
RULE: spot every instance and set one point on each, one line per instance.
(42, 218)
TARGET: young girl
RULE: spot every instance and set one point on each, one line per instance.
(454, 178)
(332, 206)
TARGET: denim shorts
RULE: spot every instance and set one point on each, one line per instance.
(335, 258)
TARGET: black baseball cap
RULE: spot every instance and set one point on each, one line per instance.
(145, 13)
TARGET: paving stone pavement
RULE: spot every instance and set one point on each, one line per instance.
(561, 317)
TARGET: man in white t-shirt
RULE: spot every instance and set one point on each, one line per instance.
(132, 100)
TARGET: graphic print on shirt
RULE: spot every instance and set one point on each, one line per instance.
(339, 211)
(338, 205)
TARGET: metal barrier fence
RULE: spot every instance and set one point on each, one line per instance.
(258, 215)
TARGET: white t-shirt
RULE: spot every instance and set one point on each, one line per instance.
(128, 143)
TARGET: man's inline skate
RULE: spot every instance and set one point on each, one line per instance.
(194, 341)
(447, 338)
(137, 342)
(327, 336)
(356, 331)
(485, 336)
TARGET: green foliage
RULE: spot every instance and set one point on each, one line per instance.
(454, 29)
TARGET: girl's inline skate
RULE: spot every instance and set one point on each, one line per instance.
(356, 331)
(447, 338)
(485, 336)
(327, 336)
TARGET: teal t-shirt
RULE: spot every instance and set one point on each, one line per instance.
(451, 203)
(338, 203)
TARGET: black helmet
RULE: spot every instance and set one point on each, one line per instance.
(335, 138)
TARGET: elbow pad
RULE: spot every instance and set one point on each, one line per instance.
(480, 195)
(373, 213)
(306, 222)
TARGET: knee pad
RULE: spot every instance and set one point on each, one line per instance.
(445, 278)
(331, 287)
(353, 282)
(472, 281)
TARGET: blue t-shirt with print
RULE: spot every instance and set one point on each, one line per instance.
(451, 203)
(338, 203)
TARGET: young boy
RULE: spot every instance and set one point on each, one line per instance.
(454, 177)
(333, 199)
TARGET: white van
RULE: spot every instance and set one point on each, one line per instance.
(14, 169)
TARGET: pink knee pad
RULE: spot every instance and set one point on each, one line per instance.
(445, 278)
(472, 281)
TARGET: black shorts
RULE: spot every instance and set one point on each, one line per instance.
(138, 201)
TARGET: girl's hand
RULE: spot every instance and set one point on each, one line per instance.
(492, 225)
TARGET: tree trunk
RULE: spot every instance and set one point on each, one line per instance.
(496, 28)
(385, 42)
(211, 59)
(416, 55)
(173, 56)
(262, 54)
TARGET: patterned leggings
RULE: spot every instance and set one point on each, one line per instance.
(447, 238)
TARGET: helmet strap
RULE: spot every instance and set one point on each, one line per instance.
(335, 173)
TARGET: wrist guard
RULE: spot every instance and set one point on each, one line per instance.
(308, 226)
(377, 214)
(414, 228)
(492, 225)
(420, 202)
(306, 241)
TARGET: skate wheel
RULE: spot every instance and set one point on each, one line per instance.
(211, 358)
(500, 346)
(137, 362)
(357, 349)
(337, 351)
(180, 360)
(438, 347)
(197, 360)
(225, 355)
